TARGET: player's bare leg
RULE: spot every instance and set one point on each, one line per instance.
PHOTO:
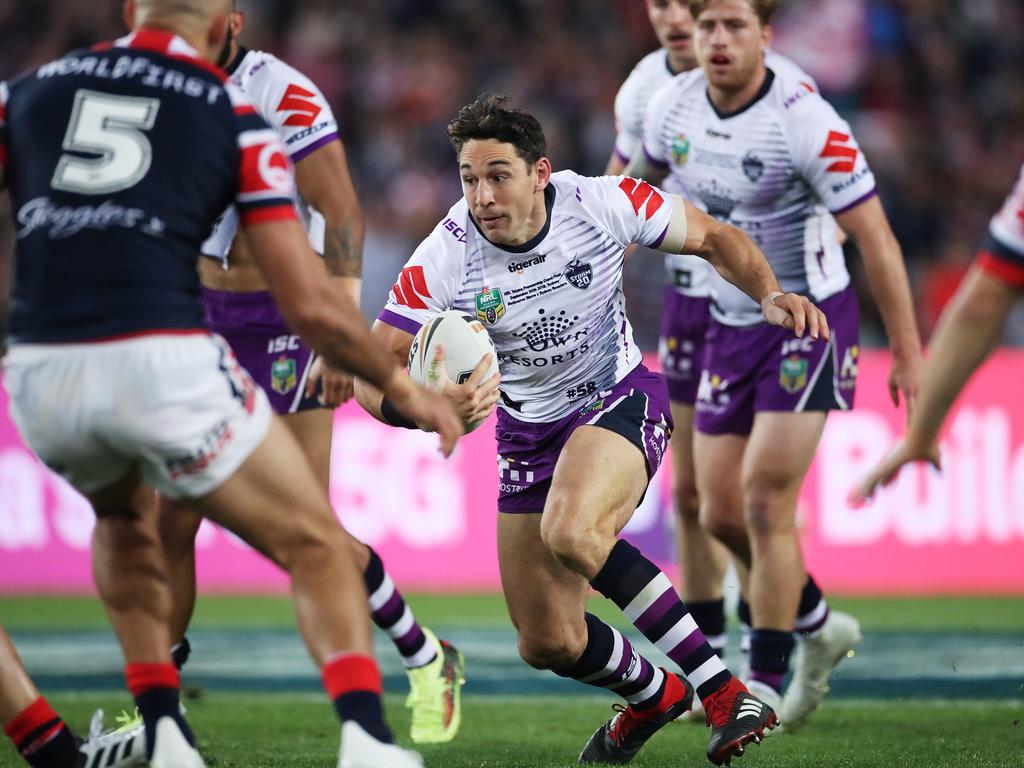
(327, 588)
(583, 515)
(128, 568)
(703, 560)
(38, 733)
(779, 584)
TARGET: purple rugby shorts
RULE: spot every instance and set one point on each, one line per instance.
(755, 368)
(276, 358)
(684, 323)
(636, 408)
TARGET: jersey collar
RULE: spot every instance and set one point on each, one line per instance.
(159, 40)
(533, 242)
(236, 62)
(769, 78)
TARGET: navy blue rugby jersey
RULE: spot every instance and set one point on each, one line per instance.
(119, 159)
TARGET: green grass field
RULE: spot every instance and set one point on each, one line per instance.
(285, 726)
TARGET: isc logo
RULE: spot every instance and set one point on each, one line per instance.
(803, 344)
(282, 344)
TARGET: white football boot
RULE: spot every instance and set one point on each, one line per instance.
(817, 656)
(171, 749)
(123, 747)
(360, 750)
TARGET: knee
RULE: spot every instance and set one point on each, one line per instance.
(727, 529)
(687, 503)
(311, 542)
(576, 544)
(769, 507)
(548, 650)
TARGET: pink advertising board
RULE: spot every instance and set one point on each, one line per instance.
(433, 521)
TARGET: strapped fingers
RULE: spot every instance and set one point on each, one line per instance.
(799, 314)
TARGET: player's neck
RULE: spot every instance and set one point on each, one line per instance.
(194, 38)
(728, 101)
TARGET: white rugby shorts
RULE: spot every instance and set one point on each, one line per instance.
(177, 405)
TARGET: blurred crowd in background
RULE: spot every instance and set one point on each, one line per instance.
(934, 90)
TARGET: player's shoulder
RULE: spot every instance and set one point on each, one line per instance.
(265, 67)
(794, 96)
(586, 197)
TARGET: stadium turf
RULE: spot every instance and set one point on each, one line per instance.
(298, 731)
(898, 703)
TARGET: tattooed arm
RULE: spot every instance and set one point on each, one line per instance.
(324, 182)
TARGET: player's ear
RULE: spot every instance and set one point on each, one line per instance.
(217, 34)
(237, 23)
(542, 173)
(767, 33)
(128, 14)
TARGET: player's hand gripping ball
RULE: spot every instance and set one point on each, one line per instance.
(465, 342)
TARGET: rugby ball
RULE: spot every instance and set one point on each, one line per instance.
(465, 341)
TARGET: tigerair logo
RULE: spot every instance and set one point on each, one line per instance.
(518, 267)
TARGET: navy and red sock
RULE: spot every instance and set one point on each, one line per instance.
(42, 738)
(155, 687)
(353, 682)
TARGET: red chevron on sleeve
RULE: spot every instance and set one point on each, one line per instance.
(411, 286)
(299, 101)
(641, 193)
(836, 147)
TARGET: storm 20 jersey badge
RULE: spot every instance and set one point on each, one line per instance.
(579, 274)
(490, 306)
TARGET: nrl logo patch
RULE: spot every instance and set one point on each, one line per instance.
(680, 149)
(753, 166)
(490, 305)
(793, 374)
(282, 375)
(579, 274)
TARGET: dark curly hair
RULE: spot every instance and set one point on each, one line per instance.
(495, 117)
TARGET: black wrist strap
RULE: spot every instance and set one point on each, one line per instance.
(393, 417)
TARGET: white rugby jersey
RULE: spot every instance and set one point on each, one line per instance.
(778, 169)
(1007, 226)
(553, 306)
(689, 275)
(300, 114)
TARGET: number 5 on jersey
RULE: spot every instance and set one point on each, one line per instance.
(111, 127)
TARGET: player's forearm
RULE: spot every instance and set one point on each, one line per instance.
(887, 277)
(736, 258)
(969, 329)
(370, 399)
(615, 165)
(343, 246)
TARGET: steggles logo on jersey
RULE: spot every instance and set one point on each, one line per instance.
(836, 146)
(579, 274)
(753, 166)
(520, 266)
(298, 100)
(411, 285)
(642, 195)
(680, 149)
(490, 305)
(793, 373)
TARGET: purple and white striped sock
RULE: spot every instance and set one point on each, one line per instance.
(648, 599)
(391, 613)
(609, 661)
(813, 610)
